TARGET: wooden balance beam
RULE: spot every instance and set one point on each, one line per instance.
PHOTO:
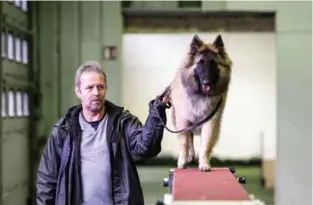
(220, 186)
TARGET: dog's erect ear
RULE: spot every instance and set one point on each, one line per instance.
(218, 42)
(195, 44)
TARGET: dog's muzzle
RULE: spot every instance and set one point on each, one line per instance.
(206, 88)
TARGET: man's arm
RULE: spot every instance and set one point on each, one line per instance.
(48, 173)
(145, 140)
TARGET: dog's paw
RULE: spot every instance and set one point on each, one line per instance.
(191, 156)
(191, 159)
(204, 167)
(182, 163)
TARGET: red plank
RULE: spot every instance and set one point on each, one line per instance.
(218, 184)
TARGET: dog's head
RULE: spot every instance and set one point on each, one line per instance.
(209, 65)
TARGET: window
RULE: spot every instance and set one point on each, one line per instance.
(3, 44)
(24, 5)
(18, 53)
(19, 105)
(11, 103)
(4, 104)
(25, 104)
(17, 3)
(10, 46)
(25, 51)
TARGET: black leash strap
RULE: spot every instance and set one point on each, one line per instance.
(168, 104)
(192, 127)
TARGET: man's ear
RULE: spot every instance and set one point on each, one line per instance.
(78, 92)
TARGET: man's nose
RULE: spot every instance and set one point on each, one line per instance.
(95, 91)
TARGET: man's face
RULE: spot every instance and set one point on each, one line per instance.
(92, 91)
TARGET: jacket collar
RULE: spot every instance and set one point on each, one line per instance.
(71, 116)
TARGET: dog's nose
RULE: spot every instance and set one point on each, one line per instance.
(205, 82)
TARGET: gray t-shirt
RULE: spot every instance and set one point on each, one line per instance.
(95, 163)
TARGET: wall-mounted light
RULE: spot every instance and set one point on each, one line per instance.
(109, 53)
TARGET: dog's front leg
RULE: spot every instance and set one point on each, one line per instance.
(183, 151)
(191, 155)
(209, 137)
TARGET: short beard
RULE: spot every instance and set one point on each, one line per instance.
(95, 109)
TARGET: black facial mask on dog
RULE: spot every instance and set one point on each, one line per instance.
(207, 72)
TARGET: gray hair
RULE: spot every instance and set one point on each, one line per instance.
(90, 66)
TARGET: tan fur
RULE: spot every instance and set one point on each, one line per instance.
(186, 110)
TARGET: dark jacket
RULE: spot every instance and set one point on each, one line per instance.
(58, 178)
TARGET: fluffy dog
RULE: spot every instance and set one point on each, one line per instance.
(200, 85)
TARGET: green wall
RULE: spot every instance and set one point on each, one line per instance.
(71, 33)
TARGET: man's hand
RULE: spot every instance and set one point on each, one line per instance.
(166, 99)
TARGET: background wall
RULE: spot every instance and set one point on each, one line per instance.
(71, 33)
(294, 82)
(151, 60)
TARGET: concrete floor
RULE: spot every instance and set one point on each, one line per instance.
(152, 183)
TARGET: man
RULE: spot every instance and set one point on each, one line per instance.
(88, 158)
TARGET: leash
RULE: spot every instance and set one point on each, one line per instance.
(192, 127)
(168, 104)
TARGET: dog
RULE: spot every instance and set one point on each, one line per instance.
(199, 86)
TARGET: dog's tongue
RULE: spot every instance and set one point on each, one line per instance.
(206, 88)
